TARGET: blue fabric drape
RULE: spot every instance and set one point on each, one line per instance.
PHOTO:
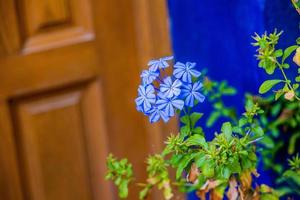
(217, 36)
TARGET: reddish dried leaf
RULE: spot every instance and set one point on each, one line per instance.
(192, 177)
(232, 193)
(246, 181)
(214, 195)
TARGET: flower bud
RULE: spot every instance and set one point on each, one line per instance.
(289, 95)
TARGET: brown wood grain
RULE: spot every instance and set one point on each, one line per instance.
(10, 39)
(68, 81)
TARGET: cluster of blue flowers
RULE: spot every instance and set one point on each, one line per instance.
(159, 97)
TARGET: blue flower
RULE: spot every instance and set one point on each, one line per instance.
(168, 104)
(149, 76)
(155, 114)
(146, 98)
(169, 88)
(191, 92)
(185, 71)
(161, 63)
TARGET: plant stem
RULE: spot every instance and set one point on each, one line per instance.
(188, 115)
(287, 81)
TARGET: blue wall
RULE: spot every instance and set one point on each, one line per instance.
(217, 35)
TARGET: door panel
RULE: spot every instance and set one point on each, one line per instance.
(53, 23)
(61, 142)
(54, 154)
(69, 70)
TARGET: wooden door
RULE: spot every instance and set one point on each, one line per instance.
(69, 70)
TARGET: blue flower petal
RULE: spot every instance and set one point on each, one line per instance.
(195, 73)
(155, 114)
(170, 88)
(199, 97)
(149, 76)
(185, 72)
(139, 100)
(178, 103)
(189, 101)
(154, 117)
(146, 97)
(191, 92)
(160, 63)
(169, 104)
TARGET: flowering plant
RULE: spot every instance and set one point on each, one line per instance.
(208, 167)
(226, 165)
(161, 95)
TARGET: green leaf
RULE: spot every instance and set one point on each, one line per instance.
(278, 94)
(143, 194)
(238, 130)
(185, 131)
(227, 130)
(225, 172)
(120, 172)
(298, 40)
(123, 189)
(258, 131)
(175, 159)
(200, 159)
(185, 119)
(268, 142)
(267, 85)
(286, 66)
(278, 53)
(196, 140)
(198, 130)
(218, 105)
(208, 169)
(109, 176)
(292, 142)
(195, 116)
(246, 163)
(269, 66)
(235, 166)
(229, 91)
(275, 109)
(252, 156)
(288, 51)
(220, 189)
(269, 197)
(242, 122)
(284, 190)
(295, 86)
(212, 118)
(183, 163)
(297, 79)
(293, 176)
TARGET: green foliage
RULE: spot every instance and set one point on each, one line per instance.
(215, 92)
(119, 171)
(277, 118)
(271, 59)
(228, 162)
(227, 155)
(267, 54)
(267, 85)
(157, 175)
(291, 177)
(210, 166)
(280, 118)
(296, 4)
(189, 124)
